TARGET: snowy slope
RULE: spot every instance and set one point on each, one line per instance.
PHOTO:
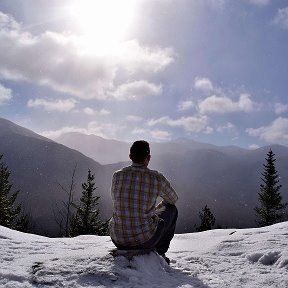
(220, 258)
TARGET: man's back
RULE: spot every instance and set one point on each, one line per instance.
(134, 192)
(137, 223)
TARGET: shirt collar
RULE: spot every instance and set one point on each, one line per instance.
(138, 165)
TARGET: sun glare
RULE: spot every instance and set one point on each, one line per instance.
(103, 23)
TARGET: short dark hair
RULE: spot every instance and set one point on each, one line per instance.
(139, 151)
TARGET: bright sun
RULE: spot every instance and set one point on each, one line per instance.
(103, 23)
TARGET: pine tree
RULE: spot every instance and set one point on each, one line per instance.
(271, 206)
(87, 218)
(10, 213)
(207, 219)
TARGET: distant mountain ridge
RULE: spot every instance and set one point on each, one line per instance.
(96, 147)
(109, 151)
(227, 179)
(7, 127)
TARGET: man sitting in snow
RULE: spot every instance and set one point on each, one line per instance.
(137, 223)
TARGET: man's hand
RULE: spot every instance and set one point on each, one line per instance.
(160, 208)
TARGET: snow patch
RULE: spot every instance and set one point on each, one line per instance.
(268, 258)
(254, 257)
(283, 263)
(250, 258)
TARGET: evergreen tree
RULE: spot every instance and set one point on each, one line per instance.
(10, 213)
(207, 219)
(271, 207)
(87, 218)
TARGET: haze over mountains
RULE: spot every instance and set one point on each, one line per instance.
(96, 147)
(227, 179)
(107, 151)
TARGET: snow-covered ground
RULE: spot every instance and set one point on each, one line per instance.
(217, 258)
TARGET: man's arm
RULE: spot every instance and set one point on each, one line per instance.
(167, 193)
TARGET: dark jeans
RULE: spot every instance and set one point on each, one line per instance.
(163, 235)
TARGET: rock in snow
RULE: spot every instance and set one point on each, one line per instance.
(219, 258)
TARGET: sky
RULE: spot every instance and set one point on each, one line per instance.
(212, 71)
(226, 258)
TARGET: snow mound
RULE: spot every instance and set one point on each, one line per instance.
(255, 258)
(266, 259)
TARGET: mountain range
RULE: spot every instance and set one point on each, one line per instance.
(227, 179)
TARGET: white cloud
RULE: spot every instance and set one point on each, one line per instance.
(185, 105)
(223, 104)
(208, 130)
(276, 132)
(203, 84)
(5, 94)
(136, 90)
(52, 134)
(228, 127)
(7, 22)
(160, 135)
(155, 135)
(61, 62)
(140, 131)
(105, 130)
(280, 108)
(254, 146)
(91, 112)
(281, 18)
(133, 118)
(135, 57)
(110, 131)
(59, 105)
(190, 124)
(260, 2)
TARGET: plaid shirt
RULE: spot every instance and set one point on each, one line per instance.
(134, 193)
